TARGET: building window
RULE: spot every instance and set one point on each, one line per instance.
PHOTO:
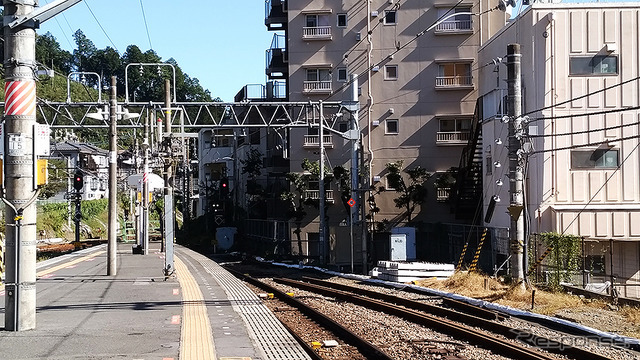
(593, 65)
(391, 126)
(454, 75)
(342, 74)
(343, 127)
(390, 17)
(254, 136)
(317, 27)
(391, 72)
(318, 80)
(454, 130)
(489, 165)
(594, 159)
(342, 20)
(595, 264)
(458, 23)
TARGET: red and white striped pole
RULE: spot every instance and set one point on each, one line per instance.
(20, 118)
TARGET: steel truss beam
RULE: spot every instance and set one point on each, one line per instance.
(66, 115)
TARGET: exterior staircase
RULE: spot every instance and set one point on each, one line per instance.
(466, 195)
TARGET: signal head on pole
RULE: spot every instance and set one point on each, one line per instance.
(78, 180)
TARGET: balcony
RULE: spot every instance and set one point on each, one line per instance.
(276, 63)
(316, 33)
(313, 141)
(322, 87)
(452, 137)
(315, 195)
(454, 82)
(454, 26)
(442, 194)
(275, 14)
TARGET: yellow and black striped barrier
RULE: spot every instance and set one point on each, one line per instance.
(464, 252)
(539, 261)
(474, 263)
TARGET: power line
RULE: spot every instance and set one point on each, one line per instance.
(583, 96)
(611, 111)
(585, 131)
(601, 187)
(144, 17)
(587, 144)
(100, 25)
(398, 48)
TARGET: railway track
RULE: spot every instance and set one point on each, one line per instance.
(457, 330)
(368, 350)
(406, 308)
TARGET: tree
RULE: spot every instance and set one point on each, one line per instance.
(410, 194)
(84, 52)
(296, 200)
(49, 53)
(252, 167)
(343, 180)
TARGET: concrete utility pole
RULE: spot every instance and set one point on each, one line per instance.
(145, 189)
(168, 191)
(324, 253)
(20, 118)
(516, 163)
(112, 245)
(355, 177)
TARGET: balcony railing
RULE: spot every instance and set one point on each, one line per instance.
(317, 86)
(452, 137)
(314, 141)
(452, 26)
(316, 33)
(315, 195)
(442, 194)
(454, 81)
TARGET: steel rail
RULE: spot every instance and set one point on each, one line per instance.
(366, 348)
(478, 316)
(480, 338)
(509, 332)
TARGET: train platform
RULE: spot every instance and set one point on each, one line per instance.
(203, 312)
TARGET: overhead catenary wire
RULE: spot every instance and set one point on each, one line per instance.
(146, 26)
(100, 25)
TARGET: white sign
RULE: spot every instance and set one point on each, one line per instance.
(42, 139)
(18, 145)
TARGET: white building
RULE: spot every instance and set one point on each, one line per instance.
(579, 77)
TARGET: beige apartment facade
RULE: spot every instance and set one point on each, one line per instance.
(579, 78)
(417, 90)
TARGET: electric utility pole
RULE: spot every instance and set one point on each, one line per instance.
(516, 161)
(19, 117)
(20, 20)
(168, 191)
(112, 245)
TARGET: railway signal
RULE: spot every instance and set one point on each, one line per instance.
(78, 180)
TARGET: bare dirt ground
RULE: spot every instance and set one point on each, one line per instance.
(598, 314)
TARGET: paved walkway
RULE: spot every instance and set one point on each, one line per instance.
(202, 313)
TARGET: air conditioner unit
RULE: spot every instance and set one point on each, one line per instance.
(374, 13)
(375, 123)
(376, 178)
(375, 68)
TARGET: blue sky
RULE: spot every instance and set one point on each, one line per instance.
(222, 43)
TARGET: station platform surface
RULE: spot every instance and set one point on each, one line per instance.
(202, 312)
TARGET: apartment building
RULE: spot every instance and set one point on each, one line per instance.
(416, 64)
(579, 77)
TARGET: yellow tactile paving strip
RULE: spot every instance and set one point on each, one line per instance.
(63, 265)
(196, 339)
